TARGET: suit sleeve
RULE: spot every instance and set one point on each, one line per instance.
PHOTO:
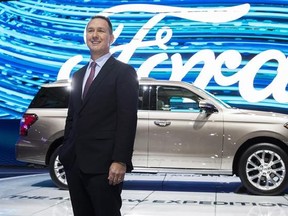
(69, 118)
(127, 88)
(65, 152)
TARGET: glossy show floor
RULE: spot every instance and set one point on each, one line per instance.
(33, 193)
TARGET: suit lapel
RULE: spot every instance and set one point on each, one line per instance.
(77, 86)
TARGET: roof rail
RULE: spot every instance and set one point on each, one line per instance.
(146, 79)
(63, 80)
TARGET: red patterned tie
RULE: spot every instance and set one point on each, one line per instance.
(90, 78)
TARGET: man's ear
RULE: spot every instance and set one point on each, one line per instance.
(112, 39)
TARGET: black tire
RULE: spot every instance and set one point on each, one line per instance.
(263, 169)
(56, 171)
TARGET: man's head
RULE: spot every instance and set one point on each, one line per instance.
(99, 36)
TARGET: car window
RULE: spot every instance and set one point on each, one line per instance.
(176, 99)
(143, 98)
(56, 97)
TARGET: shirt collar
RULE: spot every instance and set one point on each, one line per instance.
(101, 61)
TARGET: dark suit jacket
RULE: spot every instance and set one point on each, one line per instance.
(101, 128)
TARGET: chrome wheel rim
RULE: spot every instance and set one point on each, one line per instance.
(59, 171)
(265, 170)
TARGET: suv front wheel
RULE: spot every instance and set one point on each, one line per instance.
(263, 169)
(56, 171)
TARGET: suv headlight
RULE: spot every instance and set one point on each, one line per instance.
(286, 125)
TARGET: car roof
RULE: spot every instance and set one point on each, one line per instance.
(58, 83)
(142, 81)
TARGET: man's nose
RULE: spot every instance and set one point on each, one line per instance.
(94, 34)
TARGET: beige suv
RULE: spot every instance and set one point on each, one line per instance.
(181, 128)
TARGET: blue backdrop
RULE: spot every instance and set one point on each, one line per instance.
(237, 50)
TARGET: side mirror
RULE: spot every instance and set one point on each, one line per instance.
(208, 107)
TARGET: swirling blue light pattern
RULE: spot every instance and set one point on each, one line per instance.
(38, 37)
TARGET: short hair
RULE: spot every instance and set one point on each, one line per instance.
(106, 19)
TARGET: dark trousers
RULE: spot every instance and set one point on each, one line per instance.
(91, 194)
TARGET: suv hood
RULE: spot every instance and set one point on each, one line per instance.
(258, 116)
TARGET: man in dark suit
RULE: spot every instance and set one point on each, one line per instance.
(100, 127)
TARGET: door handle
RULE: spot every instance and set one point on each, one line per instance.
(162, 123)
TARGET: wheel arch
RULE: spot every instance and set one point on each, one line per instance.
(52, 148)
(254, 141)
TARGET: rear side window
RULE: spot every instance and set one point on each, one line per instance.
(56, 97)
(143, 98)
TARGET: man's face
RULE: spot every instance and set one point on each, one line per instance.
(98, 38)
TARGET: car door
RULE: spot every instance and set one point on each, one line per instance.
(180, 134)
(140, 154)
